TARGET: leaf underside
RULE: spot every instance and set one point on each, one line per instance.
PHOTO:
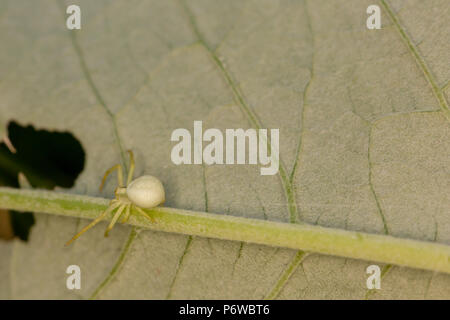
(364, 138)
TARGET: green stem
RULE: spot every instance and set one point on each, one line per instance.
(349, 244)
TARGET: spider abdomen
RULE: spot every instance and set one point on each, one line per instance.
(146, 192)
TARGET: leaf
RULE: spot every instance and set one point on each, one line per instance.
(364, 138)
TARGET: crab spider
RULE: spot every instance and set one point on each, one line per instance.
(143, 192)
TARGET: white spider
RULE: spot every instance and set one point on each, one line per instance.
(143, 192)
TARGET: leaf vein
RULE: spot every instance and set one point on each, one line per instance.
(419, 60)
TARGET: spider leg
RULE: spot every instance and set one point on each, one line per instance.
(142, 212)
(127, 213)
(117, 167)
(113, 206)
(131, 170)
(115, 218)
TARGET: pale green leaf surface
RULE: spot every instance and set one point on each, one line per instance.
(364, 140)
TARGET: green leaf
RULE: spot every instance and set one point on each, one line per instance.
(364, 138)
